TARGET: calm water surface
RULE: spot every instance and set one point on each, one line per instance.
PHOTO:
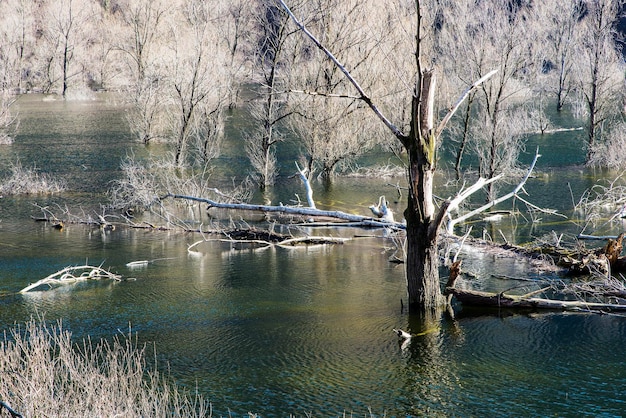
(279, 331)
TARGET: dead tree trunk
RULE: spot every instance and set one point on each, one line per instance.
(422, 258)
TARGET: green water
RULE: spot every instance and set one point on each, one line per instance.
(286, 331)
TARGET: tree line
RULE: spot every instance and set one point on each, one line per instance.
(182, 64)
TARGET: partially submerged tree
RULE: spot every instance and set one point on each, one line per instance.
(198, 80)
(331, 132)
(142, 23)
(484, 36)
(8, 118)
(272, 65)
(600, 72)
(423, 220)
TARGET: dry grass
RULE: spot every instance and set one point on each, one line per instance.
(44, 374)
(24, 180)
(604, 202)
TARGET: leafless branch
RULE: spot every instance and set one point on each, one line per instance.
(513, 193)
(363, 96)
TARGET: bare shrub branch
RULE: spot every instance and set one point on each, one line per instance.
(29, 181)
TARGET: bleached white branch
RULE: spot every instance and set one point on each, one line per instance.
(362, 220)
(513, 193)
(464, 194)
(307, 186)
(69, 275)
(452, 111)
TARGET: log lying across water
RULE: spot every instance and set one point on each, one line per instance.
(501, 300)
(363, 221)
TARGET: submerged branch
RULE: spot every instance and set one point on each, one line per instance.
(501, 300)
(73, 274)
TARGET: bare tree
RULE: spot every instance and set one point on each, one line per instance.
(455, 35)
(142, 24)
(487, 35)
(67, 23)
(600, 73)
(422, 219)
(146, 113)
(103, 69)
(610, 152)
(9, 121)
(333, 133)
(17, 42)
(558, 23)
(199, 78)
(271, 62)
(236, 21)
(261, 141)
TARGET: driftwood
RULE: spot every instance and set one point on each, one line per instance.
(362, 221)
(290, 243)
(73, 274)
(501, 300)
(606, 260)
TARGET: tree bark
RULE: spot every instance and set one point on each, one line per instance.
(422, 258)
(422, 264)
(366, 221)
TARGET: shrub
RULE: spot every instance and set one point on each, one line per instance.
(28, 181)
(610, 154)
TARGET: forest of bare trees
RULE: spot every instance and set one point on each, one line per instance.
(181, 64)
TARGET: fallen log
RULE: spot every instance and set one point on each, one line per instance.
(501, 300)
(365, 221)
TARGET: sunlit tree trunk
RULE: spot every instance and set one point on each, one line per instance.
(422, 256)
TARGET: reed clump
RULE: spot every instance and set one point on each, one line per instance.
(23, 180)
(44, 374)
